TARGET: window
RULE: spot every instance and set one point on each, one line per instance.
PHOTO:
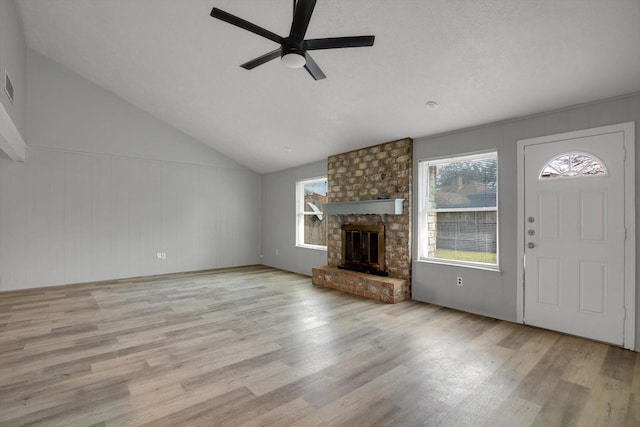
(458, 221)
(311, 225)
(572, 165)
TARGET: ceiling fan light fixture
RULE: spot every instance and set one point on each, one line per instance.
(293, 60)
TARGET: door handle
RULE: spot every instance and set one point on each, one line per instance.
(531, 245)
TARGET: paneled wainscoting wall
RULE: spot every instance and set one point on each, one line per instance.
(70, 217)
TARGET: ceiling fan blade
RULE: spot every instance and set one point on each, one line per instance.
(301, 18)
(261, 59)
(338, 42)
(313, 68)
(245, 25)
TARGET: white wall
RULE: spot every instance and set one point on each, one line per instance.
(279, 220)
(494, 293)
(13, 61)
(13, 58)
(109, 186)
(70, 218)
(66, 111)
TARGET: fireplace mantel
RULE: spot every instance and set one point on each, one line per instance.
(382, 207)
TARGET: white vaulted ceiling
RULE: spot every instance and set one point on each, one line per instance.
(481, 60)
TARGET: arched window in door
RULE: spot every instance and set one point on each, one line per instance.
(571, 165)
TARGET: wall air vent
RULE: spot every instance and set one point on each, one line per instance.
(8, 86)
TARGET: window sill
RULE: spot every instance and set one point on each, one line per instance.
(313, 247)
(463, 264)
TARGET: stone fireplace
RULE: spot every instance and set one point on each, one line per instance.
(375, 174)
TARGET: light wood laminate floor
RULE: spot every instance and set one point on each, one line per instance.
(258, 346)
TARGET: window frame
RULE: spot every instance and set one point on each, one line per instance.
(424, 209)
(301, 213)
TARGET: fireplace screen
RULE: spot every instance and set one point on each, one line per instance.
(363, 248)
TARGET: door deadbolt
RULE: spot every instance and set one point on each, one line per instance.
(531, 245)
(531, 219)
(531, 232)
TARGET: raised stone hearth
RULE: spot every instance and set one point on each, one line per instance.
(385, 289)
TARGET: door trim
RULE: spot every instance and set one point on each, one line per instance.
(628, 130)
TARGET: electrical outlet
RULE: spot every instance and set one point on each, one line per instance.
(159, 255)
(459, 281)
(277, 252)
(164, 255)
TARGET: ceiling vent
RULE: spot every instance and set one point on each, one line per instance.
(8, 86)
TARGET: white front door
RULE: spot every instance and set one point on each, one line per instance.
(574, 242)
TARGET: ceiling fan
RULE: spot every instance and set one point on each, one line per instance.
(293, 49)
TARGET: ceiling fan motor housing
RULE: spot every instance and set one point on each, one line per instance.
(292, 56)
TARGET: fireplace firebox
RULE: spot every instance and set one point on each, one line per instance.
(363, 248)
